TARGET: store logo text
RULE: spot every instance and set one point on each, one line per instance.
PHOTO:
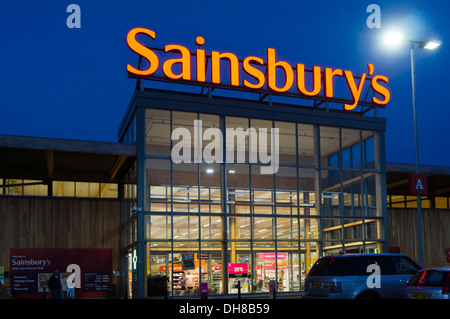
(252, 66)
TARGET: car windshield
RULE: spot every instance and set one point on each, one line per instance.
(338, 267)
(430, 278)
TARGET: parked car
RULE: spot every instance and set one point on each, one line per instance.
(430, 283)
(346, 276)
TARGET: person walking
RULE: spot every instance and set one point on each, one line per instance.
(54, 285)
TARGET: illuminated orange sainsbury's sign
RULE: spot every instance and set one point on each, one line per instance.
(259, 78)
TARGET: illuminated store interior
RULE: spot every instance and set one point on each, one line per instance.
(224, 222)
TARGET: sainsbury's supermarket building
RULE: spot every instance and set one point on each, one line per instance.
(218, 221)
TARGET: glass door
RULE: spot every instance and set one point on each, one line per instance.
(158, 283)
(239, 273)
(186, 273)
(131, 282)
(265, 271)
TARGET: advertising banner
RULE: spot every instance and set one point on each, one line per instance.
(187, 261)
(31, 270)
(238, 270)
(271, 256)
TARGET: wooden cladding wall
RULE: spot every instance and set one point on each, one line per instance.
(435, 234)
(58, 223)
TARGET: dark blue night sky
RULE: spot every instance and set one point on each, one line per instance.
(72, 83)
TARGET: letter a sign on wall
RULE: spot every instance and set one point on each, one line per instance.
(418, 184)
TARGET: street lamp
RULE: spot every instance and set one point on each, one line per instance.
(396, 38)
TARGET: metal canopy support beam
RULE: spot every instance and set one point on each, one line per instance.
(240, 107)
(117, 165)
(50, 162)
(380, 185)
(103, 189)
(223, 195)
(290, 94)
(141, 251)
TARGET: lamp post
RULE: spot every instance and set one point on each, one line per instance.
(396, 38)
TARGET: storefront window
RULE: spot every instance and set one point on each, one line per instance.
(307, 195)
(239, 228)
(157, 132)
(62, 188)
(185, 187)
(332, 228)
(353, 195)
(441, 202)
(158, 189)
(351, 148)
(209, 191)
(263, 228)
(239, 273)
(287, 228)
(286, 196)
(370, 192)
(320, 201)
(87, 189)
(159, 227)
(185, 227)
(211, 228)
(309, 228)
(306, 147)
(373, 229)
(287, 141)
(353, 229)
(368, 149)
(263, 191)
(238, 138)
(329, 146)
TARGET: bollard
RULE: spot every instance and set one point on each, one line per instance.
(272, 289)
(204, 290)
(238, 285)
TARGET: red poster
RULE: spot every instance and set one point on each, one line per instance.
(271, 256)
(30, 270)
(238, 269)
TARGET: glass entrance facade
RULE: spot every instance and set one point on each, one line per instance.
(227, 224)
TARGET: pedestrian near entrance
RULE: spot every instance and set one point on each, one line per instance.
(54, 285)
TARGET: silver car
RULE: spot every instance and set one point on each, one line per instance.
(352, 276)
(431, 283)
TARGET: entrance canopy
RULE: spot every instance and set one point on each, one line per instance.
(60, 159)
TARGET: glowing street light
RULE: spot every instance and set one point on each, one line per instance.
(429, 45)
(395, 39)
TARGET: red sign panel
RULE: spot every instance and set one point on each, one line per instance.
(271, 256)
(238, 269)
(30, 270)
(418, 184)
(394, 250)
